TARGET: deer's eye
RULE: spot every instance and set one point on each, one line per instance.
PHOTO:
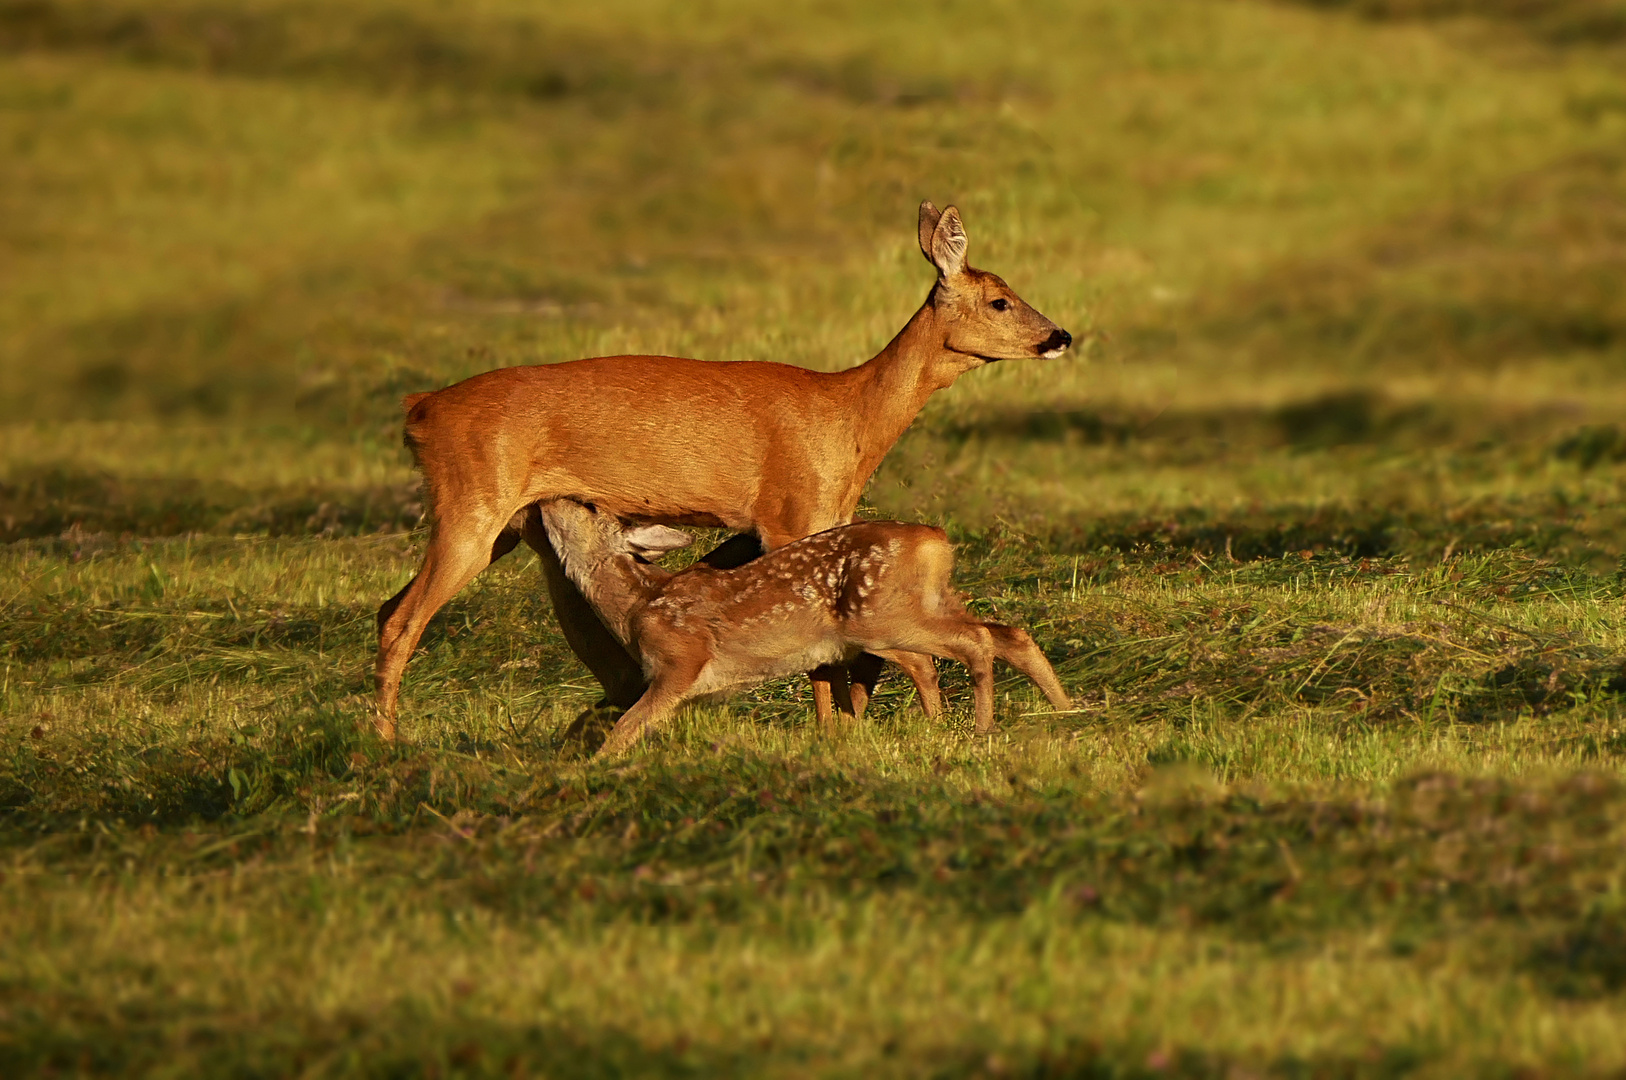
(1000, 304)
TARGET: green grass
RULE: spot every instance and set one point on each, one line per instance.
(1321, 526)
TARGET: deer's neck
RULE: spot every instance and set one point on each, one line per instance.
(893, 387)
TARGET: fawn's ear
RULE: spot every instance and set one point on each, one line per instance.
(656, 539)
(928, 222)
(948, 245)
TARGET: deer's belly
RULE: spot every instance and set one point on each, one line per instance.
(654, 496)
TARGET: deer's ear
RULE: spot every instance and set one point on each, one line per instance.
(948, 244)
(656, 539)
(928, 222)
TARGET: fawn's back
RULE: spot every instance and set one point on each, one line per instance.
(820, 600)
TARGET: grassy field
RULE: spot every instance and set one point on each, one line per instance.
(1323, 525)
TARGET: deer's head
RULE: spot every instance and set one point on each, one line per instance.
(981, 317)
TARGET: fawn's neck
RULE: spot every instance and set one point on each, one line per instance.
(618, 587)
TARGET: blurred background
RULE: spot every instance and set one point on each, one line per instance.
(1347, 275)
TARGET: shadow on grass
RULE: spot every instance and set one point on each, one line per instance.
(1556, 22)
(1359, 532)
(1585, 960)
(1339, 419)
(54, 1034)
(83, 511)
(378, 49)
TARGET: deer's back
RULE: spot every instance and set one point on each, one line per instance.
(649, 437)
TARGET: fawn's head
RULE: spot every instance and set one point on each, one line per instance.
(981, 317)
(584, 535)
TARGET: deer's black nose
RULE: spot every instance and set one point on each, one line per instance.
(1055, 342)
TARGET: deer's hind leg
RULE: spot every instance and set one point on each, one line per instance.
(1016, 647)
(460, 546)
(506, 541)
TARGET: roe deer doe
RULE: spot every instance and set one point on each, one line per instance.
(768, 448)
(875, 586)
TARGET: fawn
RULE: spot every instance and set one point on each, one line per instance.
(873, 586)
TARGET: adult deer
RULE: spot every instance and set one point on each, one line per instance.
(767, 448)
(876, 586)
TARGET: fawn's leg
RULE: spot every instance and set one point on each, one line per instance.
(1016, 647)
(972, 644)
(652, 710)
(980, 662)
(866, 671)
(862, 674)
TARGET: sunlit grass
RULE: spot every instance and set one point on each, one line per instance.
(1320, 524)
